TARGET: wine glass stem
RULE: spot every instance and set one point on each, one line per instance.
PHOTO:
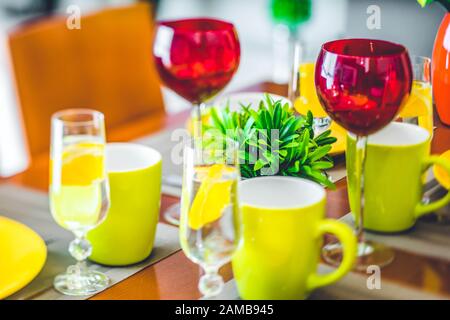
(361, 152)
(211, 283)
(197, 121)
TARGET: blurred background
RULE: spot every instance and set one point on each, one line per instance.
(263, 29)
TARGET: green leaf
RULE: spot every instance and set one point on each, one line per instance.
(445, 3)
(282, 153)
(255, 116)
(263, 142)
(268, 120)
(324, 134)
(291, 145)
(322, 165)
(287, 128)
(319, 153)
(216, 120)
(249, 124)
(259, 164)
(289, 138)
(269, 102)
(277, 116)
(295, 168)
(329, 140)
(423, 3)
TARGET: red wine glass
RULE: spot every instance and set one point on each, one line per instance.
(362, 84)
(196, 58)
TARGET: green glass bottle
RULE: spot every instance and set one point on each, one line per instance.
(291, 12)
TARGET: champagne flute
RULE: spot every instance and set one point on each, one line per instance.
(209, 226)
(362, 84)
(79, 191)
(196, 58)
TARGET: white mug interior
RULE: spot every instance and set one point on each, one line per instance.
(398, 134)
(125, 157)
(274, 192)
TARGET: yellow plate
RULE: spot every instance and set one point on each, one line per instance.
(441, 176)
(22, 256)
(341, 135)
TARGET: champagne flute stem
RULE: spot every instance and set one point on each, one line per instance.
(80, 249)
(361, 152)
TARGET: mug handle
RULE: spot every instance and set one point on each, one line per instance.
(422, 209)
(348, 240)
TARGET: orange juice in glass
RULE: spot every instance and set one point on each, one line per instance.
(307, 99)
(77, 201)
(302, 92)
(302, 88)
(419, 107)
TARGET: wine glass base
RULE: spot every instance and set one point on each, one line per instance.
(172, 214)
(87, 283)
(369, 254)
(210, 285)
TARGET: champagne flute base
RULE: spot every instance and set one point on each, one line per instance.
(369, 254)
(76, 284)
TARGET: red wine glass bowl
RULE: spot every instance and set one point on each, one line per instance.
(363, 83)
(196, 58)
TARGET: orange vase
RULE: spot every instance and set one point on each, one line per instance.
(441, 70)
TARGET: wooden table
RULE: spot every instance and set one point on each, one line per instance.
(176, 277)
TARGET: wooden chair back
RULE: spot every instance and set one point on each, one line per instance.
(105, 65)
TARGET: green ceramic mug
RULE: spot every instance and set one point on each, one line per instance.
(397, 157)
(282, 228)
(128, 232)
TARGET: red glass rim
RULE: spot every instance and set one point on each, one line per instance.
(364, 48)
(197, 25)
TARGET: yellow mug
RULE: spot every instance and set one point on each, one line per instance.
(281, 238)
(398, 159)
(128, 232)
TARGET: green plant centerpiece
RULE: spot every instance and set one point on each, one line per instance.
(274, 141)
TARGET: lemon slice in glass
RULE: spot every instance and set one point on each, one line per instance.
(82, 164)
(212, 197)
(418, 102)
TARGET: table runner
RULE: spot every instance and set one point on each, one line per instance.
(31, 208)
(426, 239)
